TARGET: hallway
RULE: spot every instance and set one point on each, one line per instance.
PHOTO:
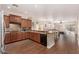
(62, 46)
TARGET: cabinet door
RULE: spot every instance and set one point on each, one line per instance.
(24, 24)
(12, 18)
(6, 19)
(18, 19)
(19, 36)
(37, 37)
(23, 35)
(7, 38)
(27, 35)
(31, 35)
(29, 23)
(13, 37)
(15, 19)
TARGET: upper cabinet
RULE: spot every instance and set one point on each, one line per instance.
(23, 23)
(6, 20)
(15, 19)
(26, 23)
(29, 22)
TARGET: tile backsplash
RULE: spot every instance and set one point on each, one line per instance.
(13, 27)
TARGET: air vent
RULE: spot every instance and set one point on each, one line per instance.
(15, 5)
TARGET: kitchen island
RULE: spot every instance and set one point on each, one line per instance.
(47, 38)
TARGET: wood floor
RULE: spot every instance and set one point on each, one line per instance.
(62, 46)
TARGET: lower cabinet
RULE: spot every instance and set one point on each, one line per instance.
(13, 36)
(17, 36)
(7, 38)
(10, 37)
(31, 36)
(35, 37)
(27, 35)
(23, 35)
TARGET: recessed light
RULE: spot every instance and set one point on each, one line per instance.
(8, 7)
(36, 5)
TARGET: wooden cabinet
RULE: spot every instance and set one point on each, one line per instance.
(13, 36)
(23, 35)
(18, 19)
(31, 36)
(23, 23)
(27, 35)
(6, 20)
(7, 38)
(12, 18)
(35, 36)
(19, 36)
(26, 23)
(15, 19)
(29, 23)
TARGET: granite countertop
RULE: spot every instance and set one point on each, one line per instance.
(44, 32)
(36, 31)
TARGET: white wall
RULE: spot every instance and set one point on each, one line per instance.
(54, 22)
(78, 30)
(0, 31)
(1, 35)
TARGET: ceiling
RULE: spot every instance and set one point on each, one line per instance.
(42, 10)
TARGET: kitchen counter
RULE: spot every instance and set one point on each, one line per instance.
(49, 37)
(36, 31)
(46, 38)
(42, 32)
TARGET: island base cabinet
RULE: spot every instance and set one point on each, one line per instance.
(37, 37)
